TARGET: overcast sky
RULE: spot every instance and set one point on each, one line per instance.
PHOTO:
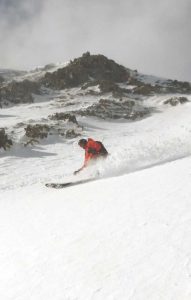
(151, 36)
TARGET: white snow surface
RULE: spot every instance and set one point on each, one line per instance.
(125, 236)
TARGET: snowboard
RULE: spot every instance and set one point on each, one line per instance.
(68, 184)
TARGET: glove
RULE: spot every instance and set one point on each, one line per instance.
(76, 172)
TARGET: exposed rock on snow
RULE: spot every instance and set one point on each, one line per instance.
(61, 124)
(105, 86)
(147, 89)
(71, 133)
(37, 131)
(64, 117)
(176, 100)
(115, 109)
(5, 142)
(175, 86)
(18, 92)
(143, 87)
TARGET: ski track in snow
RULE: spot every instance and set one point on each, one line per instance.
(134, 247)
(126, 236)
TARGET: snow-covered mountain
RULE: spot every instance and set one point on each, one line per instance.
(33, 74)
(123, 236)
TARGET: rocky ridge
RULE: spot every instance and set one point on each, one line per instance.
(107, 90)
(88, 68)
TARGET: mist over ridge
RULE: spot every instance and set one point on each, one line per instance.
(151, 37)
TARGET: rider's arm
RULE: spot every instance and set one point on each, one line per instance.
(88, 156)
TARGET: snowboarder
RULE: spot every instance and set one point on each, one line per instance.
(93, 151)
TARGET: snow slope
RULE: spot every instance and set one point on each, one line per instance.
(128, 240)
(125, 236)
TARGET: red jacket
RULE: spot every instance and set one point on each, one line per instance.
(92, 151)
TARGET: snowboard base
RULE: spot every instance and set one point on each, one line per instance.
(67, 184)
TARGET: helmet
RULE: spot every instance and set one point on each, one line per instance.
(82, 143)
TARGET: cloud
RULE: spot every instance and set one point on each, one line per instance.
(153, 37)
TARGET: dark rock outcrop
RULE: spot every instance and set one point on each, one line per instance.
(175, 86)
(105, 86)
(84, 69)
(167, 88)
(63, 117)
(37, 131)
(71, 133)
(5, 142)
(147, 89)
(176, 100)
(113, 109)
(18, 92)
(59, 124)
(160, 87)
